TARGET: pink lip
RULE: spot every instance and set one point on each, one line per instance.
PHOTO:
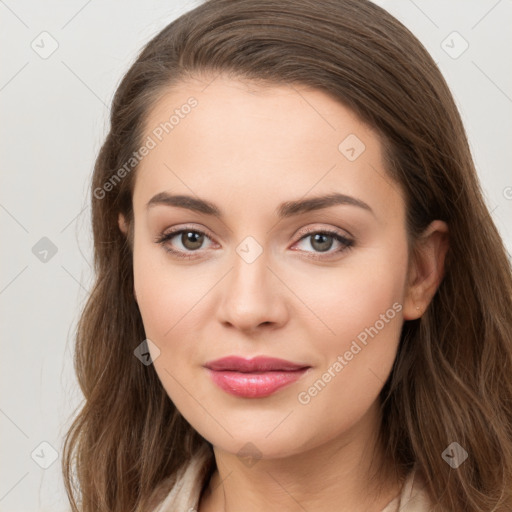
(254, 378)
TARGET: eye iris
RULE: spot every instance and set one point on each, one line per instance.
(193, 238)
(318, 238)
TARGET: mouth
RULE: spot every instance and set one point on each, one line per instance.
(254, 378)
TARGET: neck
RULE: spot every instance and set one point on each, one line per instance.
(339, 475)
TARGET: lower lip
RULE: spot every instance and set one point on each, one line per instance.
(255, 384)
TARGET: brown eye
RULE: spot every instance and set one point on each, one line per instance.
(192, 240)
(321, 242)
(183, 242)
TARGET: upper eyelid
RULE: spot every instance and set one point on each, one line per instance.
(337, 231)
(176, 231)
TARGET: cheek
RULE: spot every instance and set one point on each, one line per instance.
(166, 297)
(153, 296)
(175, 302)
(362, 320)
(164, 294)
(357, 295)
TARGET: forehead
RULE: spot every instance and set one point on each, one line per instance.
(232, 137)
(223, 105)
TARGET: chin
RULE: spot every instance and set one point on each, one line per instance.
(255, 439)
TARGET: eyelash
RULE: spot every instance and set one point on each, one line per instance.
(163, 238)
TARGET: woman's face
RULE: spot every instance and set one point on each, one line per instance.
(261, 277)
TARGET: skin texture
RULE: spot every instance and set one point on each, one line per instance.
(248, 148)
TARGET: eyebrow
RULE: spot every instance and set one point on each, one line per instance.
(284, 210)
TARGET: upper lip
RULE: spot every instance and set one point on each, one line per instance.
(256, 364)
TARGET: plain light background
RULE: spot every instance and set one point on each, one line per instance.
(54, 117)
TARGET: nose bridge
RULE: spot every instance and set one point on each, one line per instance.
(250, 274)
(250, 295)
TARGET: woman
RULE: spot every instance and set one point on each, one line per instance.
(301, 300)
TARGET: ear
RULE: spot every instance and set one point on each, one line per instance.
(122, 223)
(426, 270)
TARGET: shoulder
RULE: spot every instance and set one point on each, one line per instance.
(185, 486)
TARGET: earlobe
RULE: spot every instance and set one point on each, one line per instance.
(122, 223)
(426, 270)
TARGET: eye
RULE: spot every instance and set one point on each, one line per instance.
(322, 241)
(191, 241)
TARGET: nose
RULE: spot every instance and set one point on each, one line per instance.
(252, 296)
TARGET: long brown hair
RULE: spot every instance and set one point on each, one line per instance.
(452, 378)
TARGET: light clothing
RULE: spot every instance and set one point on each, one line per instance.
(185, 494)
